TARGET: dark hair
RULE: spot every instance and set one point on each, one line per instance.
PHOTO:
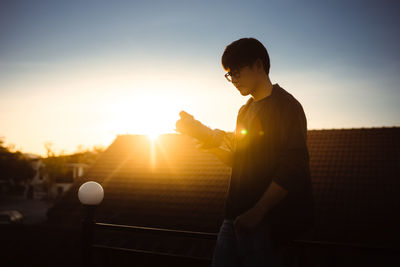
(244, 52)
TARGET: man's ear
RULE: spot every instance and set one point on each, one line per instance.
(258, 65)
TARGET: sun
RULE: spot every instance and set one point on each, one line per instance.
(151, 114)
(153, 136)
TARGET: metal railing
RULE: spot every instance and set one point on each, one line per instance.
(299, 245)
(159, 232)
(89, 225)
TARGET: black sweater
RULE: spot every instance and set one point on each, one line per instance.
(271, 144)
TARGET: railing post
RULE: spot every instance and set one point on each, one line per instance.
(87, 235)
(90, 194)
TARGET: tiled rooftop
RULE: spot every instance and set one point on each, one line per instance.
(171, 184)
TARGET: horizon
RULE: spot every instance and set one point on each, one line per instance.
(154, 138)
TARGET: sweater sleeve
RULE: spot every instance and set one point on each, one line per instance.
(293, 159)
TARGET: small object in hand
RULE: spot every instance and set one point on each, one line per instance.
(194, 128)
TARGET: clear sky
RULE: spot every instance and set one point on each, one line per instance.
(81, 72)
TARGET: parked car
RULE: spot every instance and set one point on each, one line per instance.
(11, 217)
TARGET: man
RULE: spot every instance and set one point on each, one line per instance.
(269, 199)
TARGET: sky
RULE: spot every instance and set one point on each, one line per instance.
(79, 73)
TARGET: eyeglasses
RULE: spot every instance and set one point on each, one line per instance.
(235, 73)
(229, 75)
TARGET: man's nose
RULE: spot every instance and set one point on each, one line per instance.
(234, 80)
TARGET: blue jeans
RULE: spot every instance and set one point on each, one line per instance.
(254, 248)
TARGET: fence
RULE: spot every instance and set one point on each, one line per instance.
(301, 252)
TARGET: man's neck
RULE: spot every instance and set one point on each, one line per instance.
(263, 90)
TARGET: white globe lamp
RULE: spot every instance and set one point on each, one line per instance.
(91, 193)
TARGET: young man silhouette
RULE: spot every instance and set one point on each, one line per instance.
(270, 198)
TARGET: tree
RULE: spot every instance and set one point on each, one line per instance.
(49, 149)
(14, 168)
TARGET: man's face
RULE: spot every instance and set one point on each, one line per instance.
(245, 79)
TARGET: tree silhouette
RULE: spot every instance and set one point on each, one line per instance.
(15, 168)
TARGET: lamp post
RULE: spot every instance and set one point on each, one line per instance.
(90, 195)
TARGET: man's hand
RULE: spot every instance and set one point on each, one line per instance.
(249, 220)
(194, 128)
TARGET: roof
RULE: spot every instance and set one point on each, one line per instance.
(171, 184)
(355, 175)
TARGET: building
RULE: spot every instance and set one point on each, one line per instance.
(36, 187)
(63, 183)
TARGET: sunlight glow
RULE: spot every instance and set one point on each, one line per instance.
(149, 112)
(153, 136)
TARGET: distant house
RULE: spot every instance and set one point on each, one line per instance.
(36, 187)
(171, 184)
(63, 183)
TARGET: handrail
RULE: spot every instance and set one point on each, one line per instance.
(213, 236)
(163, 231)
